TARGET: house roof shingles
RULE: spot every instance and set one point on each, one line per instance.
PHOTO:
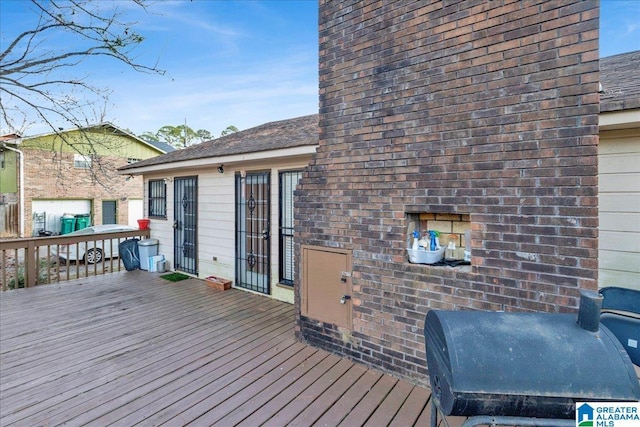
(620, 82)
(290, 133)
(162, 146)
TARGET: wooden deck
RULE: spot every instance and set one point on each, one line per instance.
(131, 348)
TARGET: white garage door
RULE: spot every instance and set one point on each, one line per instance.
(135, 211)
(46, 214)
(619, 205)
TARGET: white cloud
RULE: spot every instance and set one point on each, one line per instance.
(632, 28)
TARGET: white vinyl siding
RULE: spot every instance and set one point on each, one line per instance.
(217, 221)
(619, 209)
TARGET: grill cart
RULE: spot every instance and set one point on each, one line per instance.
(524, 369)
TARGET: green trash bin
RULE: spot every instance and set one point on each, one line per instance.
(67, 224)
(82, 221)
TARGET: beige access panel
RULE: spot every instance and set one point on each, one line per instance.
(326, 285)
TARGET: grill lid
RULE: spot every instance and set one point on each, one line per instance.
(523, 364)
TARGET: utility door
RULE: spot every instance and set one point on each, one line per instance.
(109, 212)
(185, 225)
(326, 285)
(253, 232)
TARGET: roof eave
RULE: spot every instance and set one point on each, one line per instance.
(261, 156)
(621, 119)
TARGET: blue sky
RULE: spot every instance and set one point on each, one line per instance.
(240, 63)
(619, 26)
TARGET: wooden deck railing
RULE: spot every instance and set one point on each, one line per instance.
(34, 261)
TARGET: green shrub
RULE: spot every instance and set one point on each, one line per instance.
(43, 267)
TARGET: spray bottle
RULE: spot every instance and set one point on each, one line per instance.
(432, 238)
(416, 237)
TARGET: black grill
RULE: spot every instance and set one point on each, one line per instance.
(525, 364)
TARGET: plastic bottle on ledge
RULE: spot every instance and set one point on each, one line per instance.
(416, 238)
(433, 245)
(450, 253)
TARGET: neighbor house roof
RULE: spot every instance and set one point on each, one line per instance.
(297, 132)
(10, 137)
(620, 82)
(165, 147)
(105, 125)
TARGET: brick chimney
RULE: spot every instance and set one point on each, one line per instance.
(482, 112)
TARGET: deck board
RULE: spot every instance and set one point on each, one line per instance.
(182, 412)
(412, 408)
(234, 395)
(390, 406)
(327, 400)
(141, 354)
(297, 377)
(289, 414)
(144, 395)
(361, 413)
(130, 348)
(350, 399)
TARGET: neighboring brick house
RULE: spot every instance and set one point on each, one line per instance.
(73, 172)
(464, 114)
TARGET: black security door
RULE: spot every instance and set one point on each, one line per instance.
(253, 203)
(185, 226)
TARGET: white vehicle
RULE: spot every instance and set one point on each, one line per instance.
(93, 251)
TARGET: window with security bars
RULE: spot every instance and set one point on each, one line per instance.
(288, 182)
(157, 198)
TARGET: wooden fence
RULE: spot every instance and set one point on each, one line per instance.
(9, 221)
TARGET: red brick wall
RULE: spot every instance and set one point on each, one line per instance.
(485, 108)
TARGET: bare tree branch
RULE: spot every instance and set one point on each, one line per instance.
(40, 81)
(34, 73)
